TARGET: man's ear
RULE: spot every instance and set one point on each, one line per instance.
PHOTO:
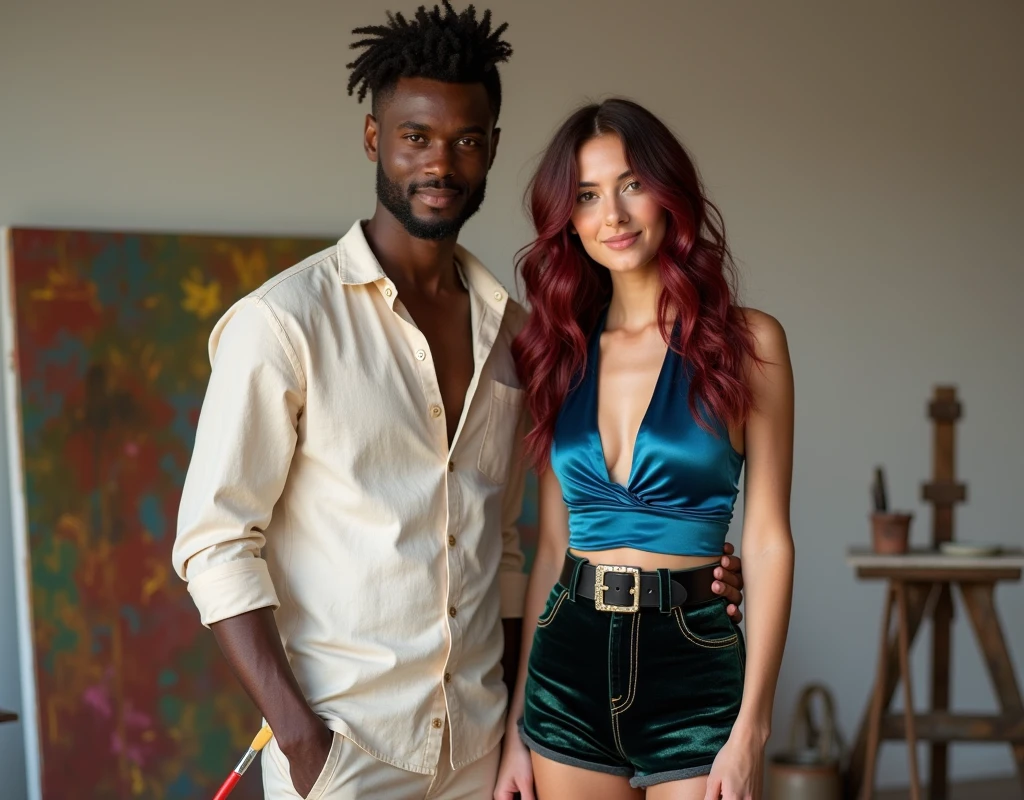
(370, 138)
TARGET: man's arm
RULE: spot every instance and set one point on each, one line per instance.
(252, 645)
(511, 577)
(244, 445)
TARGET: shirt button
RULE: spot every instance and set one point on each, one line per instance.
(435, 411)
(420, 355)
(452, 612)
(388, 292)
(447, 677)
(451, 543)
(498, 295)
(451, 466)
(436, 722)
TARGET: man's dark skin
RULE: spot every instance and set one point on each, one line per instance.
(425, 132)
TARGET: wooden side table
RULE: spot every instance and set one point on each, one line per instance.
(916, 583)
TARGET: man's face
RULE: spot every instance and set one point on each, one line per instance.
(433, 143)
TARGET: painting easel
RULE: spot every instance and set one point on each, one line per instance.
(920, 587)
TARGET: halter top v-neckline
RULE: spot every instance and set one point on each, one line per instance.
(595, 354)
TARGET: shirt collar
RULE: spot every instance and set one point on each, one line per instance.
(357, 265)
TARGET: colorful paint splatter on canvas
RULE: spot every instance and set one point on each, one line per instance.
(133, 697)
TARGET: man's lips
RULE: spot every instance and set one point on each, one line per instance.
(438, 198)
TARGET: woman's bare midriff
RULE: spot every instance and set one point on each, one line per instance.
(628, 557)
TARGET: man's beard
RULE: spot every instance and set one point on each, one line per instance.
(399, 202)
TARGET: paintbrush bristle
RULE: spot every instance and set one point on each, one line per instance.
(262, 738)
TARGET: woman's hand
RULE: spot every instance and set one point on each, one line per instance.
(515, 775)
(738, 770)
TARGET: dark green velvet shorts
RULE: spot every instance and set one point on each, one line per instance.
(651, 696)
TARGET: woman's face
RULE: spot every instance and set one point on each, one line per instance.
(619, 224)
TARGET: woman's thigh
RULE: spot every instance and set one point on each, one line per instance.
(554, 781)
(690, 789)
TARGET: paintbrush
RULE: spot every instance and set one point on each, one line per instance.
(258, 744)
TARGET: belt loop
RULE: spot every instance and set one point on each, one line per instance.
(575, 579)
(665, 591)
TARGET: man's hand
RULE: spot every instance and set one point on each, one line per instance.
(729, 583)
(307, 754)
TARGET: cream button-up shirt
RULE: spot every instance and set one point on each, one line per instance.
(322, 485)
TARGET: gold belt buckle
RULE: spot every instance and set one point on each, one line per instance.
(600, 589)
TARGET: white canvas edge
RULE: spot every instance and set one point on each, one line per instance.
(19, 525)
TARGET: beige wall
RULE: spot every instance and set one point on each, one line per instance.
(867, 158)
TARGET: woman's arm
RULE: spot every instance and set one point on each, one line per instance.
(767, 545)
(767, 539)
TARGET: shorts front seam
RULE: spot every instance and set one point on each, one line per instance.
(644, 781)
(634, 666)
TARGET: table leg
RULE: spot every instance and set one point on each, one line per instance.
(921, 599)
(878, 701)
(902, 625)
(979, 599)
(938, 777)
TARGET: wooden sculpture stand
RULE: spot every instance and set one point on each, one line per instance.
(920, 587)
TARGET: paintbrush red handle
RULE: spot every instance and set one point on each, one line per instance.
(227, 786)
(258, 744)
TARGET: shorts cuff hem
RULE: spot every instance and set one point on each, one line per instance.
(572, 761)
(643, 781)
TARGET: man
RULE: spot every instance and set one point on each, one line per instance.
(357, 466)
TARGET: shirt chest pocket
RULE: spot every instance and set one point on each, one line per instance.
(500, 432)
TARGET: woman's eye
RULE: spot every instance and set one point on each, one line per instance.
(583, 198)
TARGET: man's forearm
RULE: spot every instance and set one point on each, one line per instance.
(252, 645)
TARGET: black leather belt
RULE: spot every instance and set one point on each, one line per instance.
(628, 589)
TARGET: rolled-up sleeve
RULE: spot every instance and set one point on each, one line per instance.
(512, 579)
(244, 444)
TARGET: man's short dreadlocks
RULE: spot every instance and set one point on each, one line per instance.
(439, 44)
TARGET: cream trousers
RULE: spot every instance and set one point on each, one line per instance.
(351, 772)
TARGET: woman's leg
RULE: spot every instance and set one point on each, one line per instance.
(689, 789)
(554, 781)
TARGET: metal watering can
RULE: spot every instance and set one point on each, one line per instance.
(810, 768)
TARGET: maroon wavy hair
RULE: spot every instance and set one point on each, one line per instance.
(567, 290)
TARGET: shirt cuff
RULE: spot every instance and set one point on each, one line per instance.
(227, 590)
(513, 594)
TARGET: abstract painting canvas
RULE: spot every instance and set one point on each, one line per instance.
(127, 694)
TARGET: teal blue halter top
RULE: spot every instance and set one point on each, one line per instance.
(683, 482)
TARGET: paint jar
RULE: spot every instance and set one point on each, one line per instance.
(890, 533)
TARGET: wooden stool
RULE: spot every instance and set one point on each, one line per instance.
(917, 583)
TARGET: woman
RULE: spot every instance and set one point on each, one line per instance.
(649, 388)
